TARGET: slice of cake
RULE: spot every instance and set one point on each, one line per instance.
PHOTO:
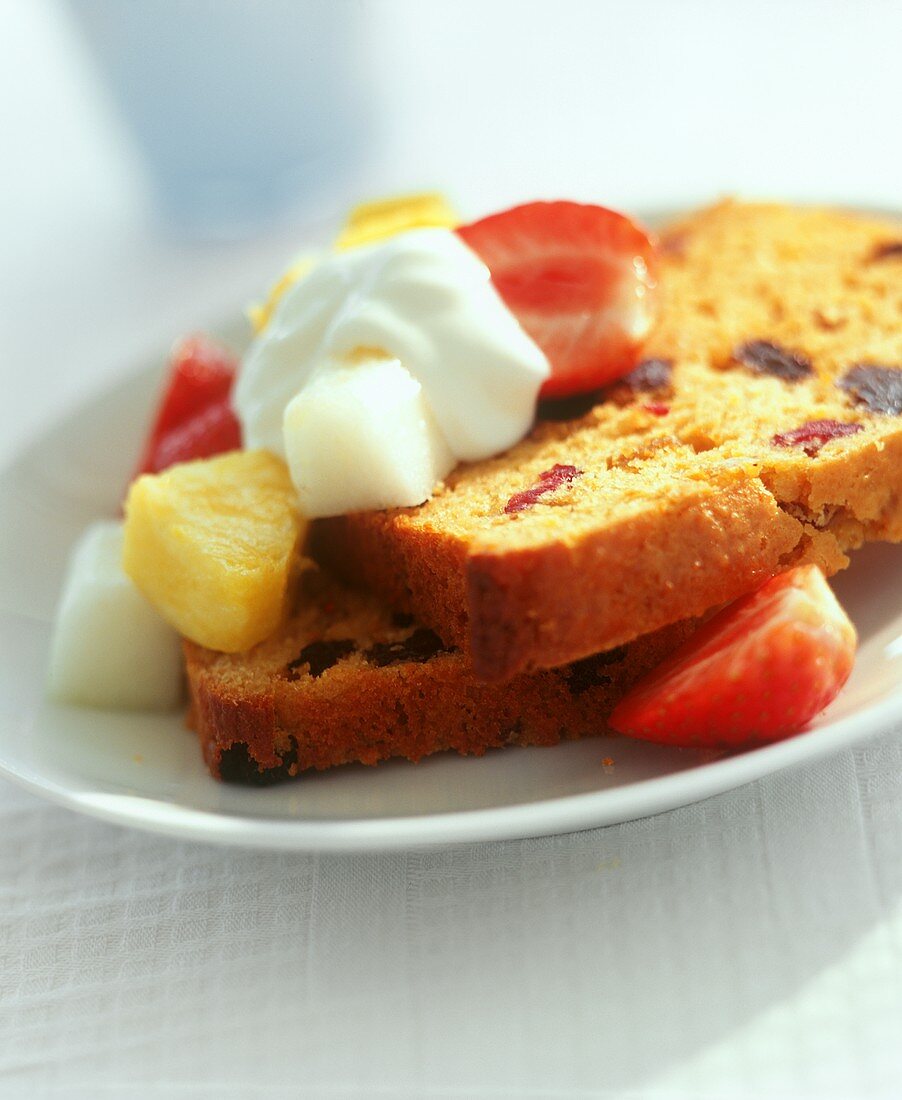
(762, 430)
(348, 680)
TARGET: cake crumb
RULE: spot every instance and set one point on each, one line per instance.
(138, 758)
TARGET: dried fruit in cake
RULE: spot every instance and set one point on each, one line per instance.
(547, 482)
(650, 376)
(580, 281)
(876, 388)
(194, 418)
(767, 357)
(812, 435)
(759, 671)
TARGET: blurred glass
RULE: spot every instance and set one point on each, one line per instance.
(241, 108)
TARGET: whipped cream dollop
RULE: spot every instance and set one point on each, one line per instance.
(382, 368)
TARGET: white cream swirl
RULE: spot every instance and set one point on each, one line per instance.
(457, 376)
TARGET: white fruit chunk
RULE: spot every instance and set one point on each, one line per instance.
(110, 648)
(360, 435)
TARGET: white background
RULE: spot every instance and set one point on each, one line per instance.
(748, 946)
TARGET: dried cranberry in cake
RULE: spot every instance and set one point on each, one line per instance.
(549, 480)
(319, 656)
(656, 408)
(765, 357)
(579, 279)
(877, 388)
(420, 647)
(814, 434)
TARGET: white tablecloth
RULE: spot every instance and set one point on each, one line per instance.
(747, 946)
(750, 945)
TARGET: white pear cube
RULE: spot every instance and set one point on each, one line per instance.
(359, 436)
(110, 648)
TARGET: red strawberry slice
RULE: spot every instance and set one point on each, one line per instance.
(210, 432)
(201, 374)
(579, 279)
(759, 671)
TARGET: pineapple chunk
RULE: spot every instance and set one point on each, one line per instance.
(213, 544)
(374, 221)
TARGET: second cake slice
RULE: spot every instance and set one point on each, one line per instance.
(346, 680)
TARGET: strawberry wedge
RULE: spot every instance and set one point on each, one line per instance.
(195, 418)
(759, 671)
(579, 279)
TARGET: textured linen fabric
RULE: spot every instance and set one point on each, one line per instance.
(749, 945)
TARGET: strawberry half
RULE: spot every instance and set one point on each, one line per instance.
(212, 431)
(759, 671)
(194, 418)
(579, 279)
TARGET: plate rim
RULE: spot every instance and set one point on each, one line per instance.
(546, 817)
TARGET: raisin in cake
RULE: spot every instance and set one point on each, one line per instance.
(762, 430)
(348, 680)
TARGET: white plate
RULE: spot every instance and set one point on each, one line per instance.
(146, 770)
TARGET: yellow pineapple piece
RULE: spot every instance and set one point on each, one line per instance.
(213, 545)
(374, 221)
